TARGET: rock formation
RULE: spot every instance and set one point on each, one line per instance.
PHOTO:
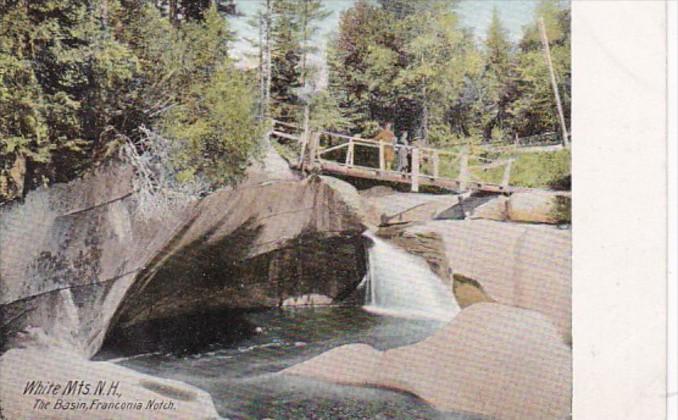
(78, 259)
(493, 360)
(524, 265)
(531, 207)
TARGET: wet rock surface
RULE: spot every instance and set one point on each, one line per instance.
(493, 360)
(524, 265)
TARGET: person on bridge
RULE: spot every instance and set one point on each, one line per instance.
(388, 138)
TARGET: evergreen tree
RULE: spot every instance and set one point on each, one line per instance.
(498, 84)
(79, 78)
(285, 58)
(534, 110)
(366, 47)
(311, 14)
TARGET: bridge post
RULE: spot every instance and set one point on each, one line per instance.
(305, 137)
(313, 148)
(415, 170)
(436, 162)
(463, 170)
(382, 161)
(349, 153)
(507, 173)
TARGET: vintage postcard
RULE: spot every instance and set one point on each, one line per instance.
(287, 209)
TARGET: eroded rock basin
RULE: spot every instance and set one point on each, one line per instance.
(241, 373)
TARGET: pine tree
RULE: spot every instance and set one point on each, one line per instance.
(311, 14)
(534, 110)
(285, 58)
(498, 79)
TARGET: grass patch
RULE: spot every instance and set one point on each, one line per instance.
(542, 170)
(549, 170)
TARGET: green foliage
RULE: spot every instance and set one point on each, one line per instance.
(286, 57)
(78, 78)
(325, 113)
(542, 169)
(214, 128)
(413, 63)
(547, 170)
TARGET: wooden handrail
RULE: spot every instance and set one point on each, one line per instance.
(284, 135)
(286, 124)
(420, 158)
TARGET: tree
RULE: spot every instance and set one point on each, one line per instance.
(80, 78)
(405, 62)
(534, 110)
(311, 14)
(498, 81)
(70, 62)
(365, 43)
(439, 53)
(285, 58)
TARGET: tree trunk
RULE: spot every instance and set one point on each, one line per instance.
(267, 101)
(303, 44)
(173, 10)
(262, 82)
(424, 124)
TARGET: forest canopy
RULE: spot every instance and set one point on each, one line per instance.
(415, 64)
(82, 79)
(79, 79)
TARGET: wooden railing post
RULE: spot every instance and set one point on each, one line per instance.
(507, 173)
(313, 147)
(382, 161)
(463, 170)
(436, 162)
(415, 169)
(302, 152)
(349, 153)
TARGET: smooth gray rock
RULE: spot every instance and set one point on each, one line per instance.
(77, 259)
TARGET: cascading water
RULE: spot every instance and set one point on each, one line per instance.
(402, 284)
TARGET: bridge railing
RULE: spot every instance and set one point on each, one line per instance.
(356, 156)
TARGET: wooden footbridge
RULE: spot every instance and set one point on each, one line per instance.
(339, 154)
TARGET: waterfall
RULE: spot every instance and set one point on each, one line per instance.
(402, 284)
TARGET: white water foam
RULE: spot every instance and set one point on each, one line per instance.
(401, 284)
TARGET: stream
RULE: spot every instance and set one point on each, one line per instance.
(236, 357)
(241, 377)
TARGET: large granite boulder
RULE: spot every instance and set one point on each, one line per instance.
(550, 207)
(492, 360)
(524, 265)
(395, 207)
(79, 258)
(539, 207)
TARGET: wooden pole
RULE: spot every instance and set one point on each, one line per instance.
(306, 117)
(305, 136)
(436, 162)
(507, 173)
(267, 101)
(382, 161)
(463, 170)
(313, 152)
(262, 81)
(547, 53)
(349, 153)
(415, 170)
